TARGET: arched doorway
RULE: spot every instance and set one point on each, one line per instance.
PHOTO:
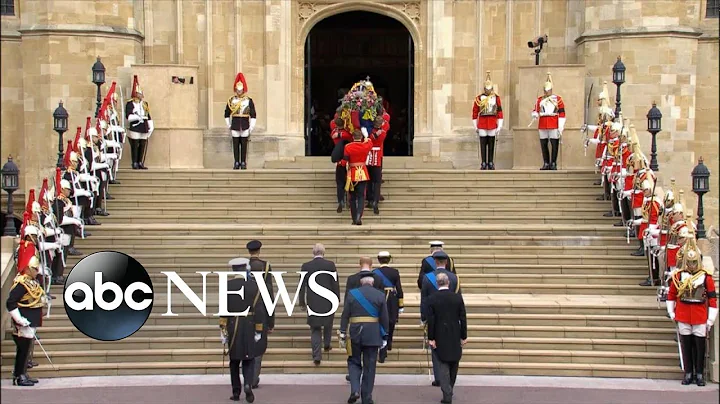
(347, 47)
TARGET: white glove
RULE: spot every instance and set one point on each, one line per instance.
(223, 338)
(712, 313)
(384, 344)
(252, 124)
(561, 125)
(227, 122)
(257, 336)
(134, 118)
(475, 124)
(654, 232)
(401, 311)
(637, 222)
(627, 194)
(151, 127)
(343, 343)
(623, 172)
(535, 114)
(19, 319)
(583, 128)
(500, 124)
(594, 141)
(671, 309)
(364, 132)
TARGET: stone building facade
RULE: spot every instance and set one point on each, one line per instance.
(669, 47)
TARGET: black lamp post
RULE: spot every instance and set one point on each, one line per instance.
(10, 180)
(98, 77)
(654, 117)
(700, 185)
(618, 78)
(60, 125)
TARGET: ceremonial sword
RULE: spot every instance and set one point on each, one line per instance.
(44, 351)
(587, 114)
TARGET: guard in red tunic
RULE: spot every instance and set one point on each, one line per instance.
(550, 110)
(602, 128)
(374, 160)
(641, 173)
(340, 137)
(623, 181)
(652, 206)
(356, 154)
(692, 303)
(610, 157)
(487, 118)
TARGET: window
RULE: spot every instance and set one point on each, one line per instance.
(7, 7)
(713, 9)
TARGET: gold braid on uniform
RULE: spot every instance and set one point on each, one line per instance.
(34, 292)
(687, 284)
(483, 103)
(235, 107)
(146, 107)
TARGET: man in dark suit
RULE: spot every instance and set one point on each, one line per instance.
(393, 295)
(365, 319)
(447, 333)
(428, 263)
(320, 327)
(258, 265)
(242, 332)
(430, 287)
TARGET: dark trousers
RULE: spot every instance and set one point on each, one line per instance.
(22, 350)
(257, 369)
(320, 336)
(373, 186)
(388, 347)
(69, 229)
(248, 368)
(448, 374)
(626, 210)
(340, 178)
(361, 366)
(240, 149)
(357, 200)
(435, 365)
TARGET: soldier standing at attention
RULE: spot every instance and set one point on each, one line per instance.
(240, 117)
(137, 113)
(258, 265)
(365, 322)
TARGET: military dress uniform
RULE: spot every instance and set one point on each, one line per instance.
(242, 333)
(258, 265)
(646, 226)
(240, 118)
(53, 234)
(356, 154)
(374, 160)
(602, 127)
(390, 281)
(137, 113)
(550, 110)
(340, 137)
(487, 116)
(692, 303)
(427, 265)
(365, 323)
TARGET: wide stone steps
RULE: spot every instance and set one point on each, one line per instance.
(487, 205)
(320, 186)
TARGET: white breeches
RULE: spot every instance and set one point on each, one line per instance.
(549, 133)
(487, 132)
(240, 133)
(699, 330)
(65, 239)
(67, 220)
(138, 135)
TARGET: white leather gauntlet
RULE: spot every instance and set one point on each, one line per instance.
(227, 122)
(671, 309)
(19, 319)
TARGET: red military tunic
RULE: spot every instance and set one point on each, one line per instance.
(672, 248)
(602, 132)
(609, 159)
(487, 119)
(550, 111)
(640, 176)
(692, 313)
(338, 135)
(356, 154)
(651, 214)
(377, 137)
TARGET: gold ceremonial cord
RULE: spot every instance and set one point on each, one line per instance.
(687, 284)
(235, 107)
(34, 292)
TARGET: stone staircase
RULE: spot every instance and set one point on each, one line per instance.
(549, 284)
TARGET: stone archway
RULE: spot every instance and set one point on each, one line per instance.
(409, 14)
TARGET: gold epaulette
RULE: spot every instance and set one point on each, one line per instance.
(34, 292)
(146, 106)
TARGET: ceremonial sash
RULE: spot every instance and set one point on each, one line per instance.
(432, 279)
(386, 281)
(371, 310)
(431, 262)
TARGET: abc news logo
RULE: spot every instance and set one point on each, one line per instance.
(109, 295)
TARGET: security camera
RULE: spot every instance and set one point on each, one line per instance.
(538, 42)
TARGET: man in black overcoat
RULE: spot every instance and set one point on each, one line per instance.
(241, 333)
(447, 333)
(320, 327)
(259, 265)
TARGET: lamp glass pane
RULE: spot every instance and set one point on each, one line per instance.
(5, 181)
(702, 182)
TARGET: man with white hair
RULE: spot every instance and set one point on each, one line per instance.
(320, 327)
(428, 263)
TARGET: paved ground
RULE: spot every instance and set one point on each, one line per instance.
(333, 390)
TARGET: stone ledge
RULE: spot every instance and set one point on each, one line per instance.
(10, 35)
(82, 30)
(622, 33)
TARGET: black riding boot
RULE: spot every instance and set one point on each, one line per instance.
(134, 144)
(483, 152)
(491, 152)
(686, 345)
(640, 251)
(555, 150)
(545, 154)
(236, 152)
(243, 152)
(700, 359)
(142, 151)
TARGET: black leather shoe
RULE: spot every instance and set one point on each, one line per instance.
(135, 166)
(32, 364)
(327, 349)
(491, 166)
(353, 398)
(601, 198)
(689, 379)
(249, 396)
(347, 378)
(235, 398)
(142, 166)
(236, 166)
(608, 214)
(382, 198)
(339, 208)
(638, 253)
(243, 166)
(359, 223)
(545, 166)
(316, 362)
(22, 381)
(483, 166)
(598, 182)
(436, 383)
(91, 221)
(115, 182)
(376, 210)
(109, 197)
(256, 385)
(31, 379)
(700, 380)
(74, 251)
(619, 224)
(101, 212)
(648, 283)
(553, 166)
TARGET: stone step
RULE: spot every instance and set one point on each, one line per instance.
(333, 251)
(330, 187)
(334, 218)
(389, 162)
(303, 342)
(488, 204)
(392, 242)
(397, 354)
(409, 317)
(377, 230)
(117, 208)
(340, 367)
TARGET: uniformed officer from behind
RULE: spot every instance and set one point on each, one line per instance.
(258, 265)
(429, 287)
(241, 333)
(393, 295)
(363, 330)
(428, 263)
